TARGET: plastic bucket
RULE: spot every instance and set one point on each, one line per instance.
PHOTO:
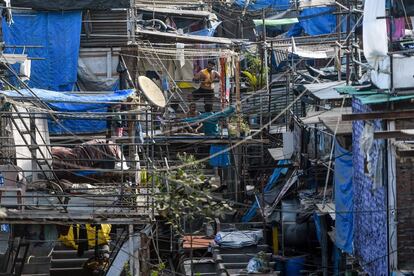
(294, 265)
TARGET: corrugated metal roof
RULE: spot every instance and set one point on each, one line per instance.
(352, 90)
(344, 128)
(373, 96)
(382, 98)
(315, 3)
(330, 119)
(169, 3)
(176, 11)
(325, 91)
(279, 99)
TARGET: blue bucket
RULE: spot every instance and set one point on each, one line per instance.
(294, 265)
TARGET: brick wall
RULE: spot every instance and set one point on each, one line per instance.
(405, 213)
(370, 217)
(405, 201)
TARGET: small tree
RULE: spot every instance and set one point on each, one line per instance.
(187, 193)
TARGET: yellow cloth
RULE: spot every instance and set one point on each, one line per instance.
(185, 85)
(207, 81)
(103, 236)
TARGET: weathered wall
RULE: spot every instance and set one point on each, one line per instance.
(405, 200)
(370, 216)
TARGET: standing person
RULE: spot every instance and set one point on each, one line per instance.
(207, 77)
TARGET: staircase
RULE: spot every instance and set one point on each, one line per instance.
(233, 262)
(36, 266)
(65, 262)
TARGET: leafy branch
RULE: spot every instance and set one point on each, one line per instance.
(187, 193)
(255, 74)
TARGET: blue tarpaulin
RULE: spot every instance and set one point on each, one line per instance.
(278, 5)
(207, 32)
(221, 160)
(56, 36)
(270, 184)
(69, 102)
(343, 199)
(314, 21)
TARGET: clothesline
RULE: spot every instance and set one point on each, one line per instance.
(187, 52)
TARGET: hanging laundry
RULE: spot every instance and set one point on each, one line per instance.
(222, 160)
(397, 27)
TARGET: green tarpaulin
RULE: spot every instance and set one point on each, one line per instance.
(372, 96)
(275, 22)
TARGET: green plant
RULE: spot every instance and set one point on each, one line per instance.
(187, 194)
(159, 268)
(254, 73)
(236, 122)
(127, 271)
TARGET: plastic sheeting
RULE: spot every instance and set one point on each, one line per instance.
(61, 5)
(315, 21)
(88, 81)
(344, 222)
(211, 119)
(207, 32)
(269, 186)
(237, 238)
(222, 160)
(375, 32)
(69, 102)
(278, 5)
(56, 36)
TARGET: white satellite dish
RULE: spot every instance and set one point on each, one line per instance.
(151, 91)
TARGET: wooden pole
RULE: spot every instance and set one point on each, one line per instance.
(238, 97)
(238, 112)
(131, 249)
(324, 244)
(339, 62)
(348, 43)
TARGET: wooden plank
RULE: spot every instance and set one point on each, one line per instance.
(388, 115)
(392, 134)
(405, 153)
(329, 208)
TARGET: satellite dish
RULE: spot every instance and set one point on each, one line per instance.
(151, 91)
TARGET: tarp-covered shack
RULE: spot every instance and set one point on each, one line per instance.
(71, 103)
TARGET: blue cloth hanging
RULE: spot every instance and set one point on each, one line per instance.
(221, 160)
(344, 217)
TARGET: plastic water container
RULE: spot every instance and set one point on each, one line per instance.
(294, 265)
(1, 179)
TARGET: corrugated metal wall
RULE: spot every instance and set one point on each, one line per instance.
(105, 28)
